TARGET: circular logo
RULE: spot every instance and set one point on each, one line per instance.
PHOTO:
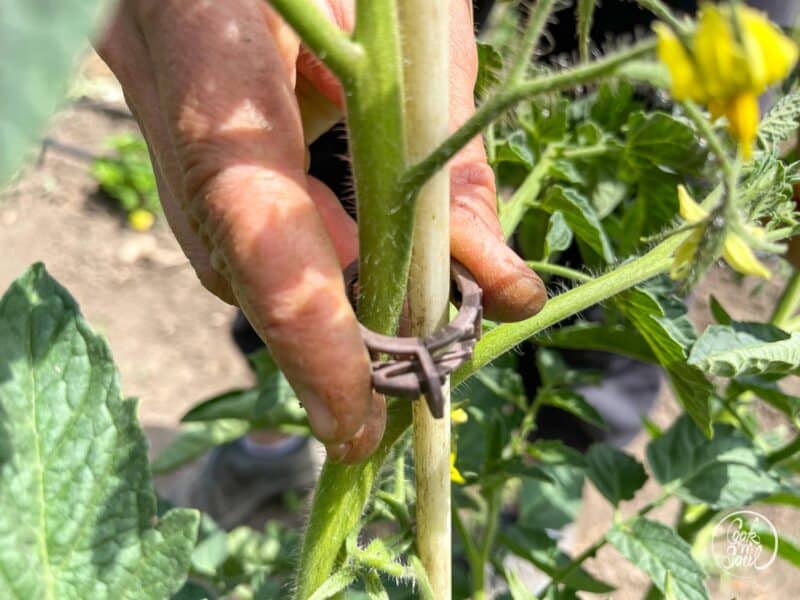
(744, 544)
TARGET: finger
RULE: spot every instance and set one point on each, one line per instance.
(230, 111)
(366, 440)
(511, 290)
(124, 50)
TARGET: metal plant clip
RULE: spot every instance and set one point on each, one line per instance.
(415, 365)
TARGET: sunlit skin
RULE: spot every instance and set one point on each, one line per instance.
(735, 56)
(212, 85)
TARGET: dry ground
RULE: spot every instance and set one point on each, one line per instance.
(170, 337)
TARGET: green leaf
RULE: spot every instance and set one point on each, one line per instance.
(500, 472)
(658, 139)
(373, 586)
(559, 235)
(270, 404)
(552, 504)
(195, 439)
(768, 391)
(746, 349)
(618, 339)
(421, 578)
(539, 549)
(614, 473)
(517, 587)
(44, 38)
(233, 404)
(607, 195)
(210, 553)
(581, 218)
(514, 149)
(613, 104)
(555, 452)
(668, 332)
(77, 508)
(574, 403)
(490, 69)
(548, 121)
(663, 555)
(780, 123)
(338, 582)
(726, 471)
(718, 311)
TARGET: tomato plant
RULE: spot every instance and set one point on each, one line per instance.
(620, 196)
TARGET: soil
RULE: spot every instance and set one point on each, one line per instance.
(171, 338)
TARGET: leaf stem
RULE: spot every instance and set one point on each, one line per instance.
(561, 271)
(329, 43)
(784, 452)
(505, 337)
(416, 175)
(512, 210)
(493, 505)
(585, 18)
(663, 12)
(533, 33)
(789, 302)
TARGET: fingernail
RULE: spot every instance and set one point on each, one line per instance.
(529, 292)
(323, 423)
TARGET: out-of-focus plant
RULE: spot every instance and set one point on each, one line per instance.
(128, 178)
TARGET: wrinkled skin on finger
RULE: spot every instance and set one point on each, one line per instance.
(212, 86)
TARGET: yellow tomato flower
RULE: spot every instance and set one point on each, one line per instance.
(141, 219)
(455, 475)
(735, 250)
(458, 416)
(731, 59)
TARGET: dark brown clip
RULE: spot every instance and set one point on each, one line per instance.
(420, 365)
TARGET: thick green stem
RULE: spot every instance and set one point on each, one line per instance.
(341, 494)
(505, 337)
(374, 99)
(497, 104)
(377, 146)
(512, 211)
(789, 302)
(323, 37)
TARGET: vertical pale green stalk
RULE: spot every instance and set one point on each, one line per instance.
(425, 34)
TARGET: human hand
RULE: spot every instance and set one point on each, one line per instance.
(212, 85)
